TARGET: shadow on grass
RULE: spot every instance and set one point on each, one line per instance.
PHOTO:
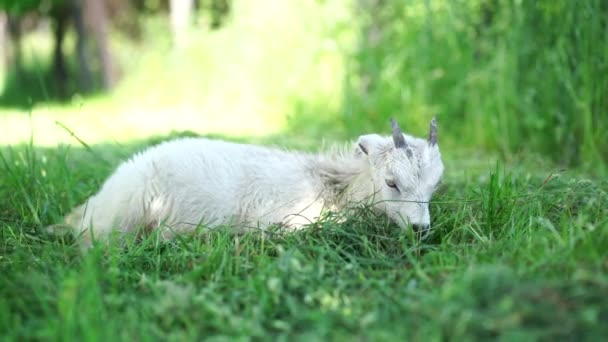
(36, 83)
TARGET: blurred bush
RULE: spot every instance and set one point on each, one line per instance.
(501, 75)
(509, 75)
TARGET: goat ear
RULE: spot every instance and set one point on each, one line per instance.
(368, 143)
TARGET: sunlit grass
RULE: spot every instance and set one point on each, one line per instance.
(518, 249)
(103, 123)
(242, 80)
(516, 253)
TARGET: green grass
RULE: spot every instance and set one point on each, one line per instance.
(518, 250)
(510, 76)
(242, 80)
(517, 253)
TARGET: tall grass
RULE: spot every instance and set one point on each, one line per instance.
(502, 75)
(506, 75)
(514, 255)
(517, 252)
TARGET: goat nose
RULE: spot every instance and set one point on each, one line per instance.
(421, 228)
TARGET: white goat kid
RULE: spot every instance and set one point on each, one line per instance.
(179, 185)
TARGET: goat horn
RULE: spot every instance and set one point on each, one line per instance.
(433, 132)
(397, 135)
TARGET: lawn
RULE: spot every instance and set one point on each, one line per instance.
(520, 224)
(517, 252)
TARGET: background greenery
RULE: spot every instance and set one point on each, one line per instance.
(520, 225)
(505, 75)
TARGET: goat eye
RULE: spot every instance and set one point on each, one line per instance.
(391, 183)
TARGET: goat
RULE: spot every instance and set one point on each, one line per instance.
(181, 184)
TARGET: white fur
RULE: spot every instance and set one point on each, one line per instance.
(181, 184)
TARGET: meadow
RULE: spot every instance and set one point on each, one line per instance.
(520, 224)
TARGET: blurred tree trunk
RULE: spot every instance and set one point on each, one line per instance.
(4, 39)
(60, 16)
(13, 47)
(181, 16)
(95, 14)
(85, 80)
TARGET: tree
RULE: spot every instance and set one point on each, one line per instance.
(181, 18)
(90, 20)
(96, 16)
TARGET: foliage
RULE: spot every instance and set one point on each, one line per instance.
(517, 256)
(518, 250)
(19, 7)
(507, 75)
